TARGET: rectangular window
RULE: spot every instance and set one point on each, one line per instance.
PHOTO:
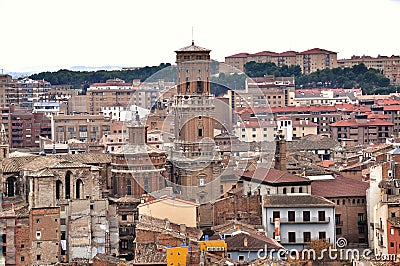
(241, 257)
(337, 219)
(276, 214)
(199, 86)
(38, 257)
(338, 230)
(321, 216)
(306, 216)
(124, 217)
(200, 132)
(322, 235)
(361, 230)
(306, 237)
(292, 237)
(291, 216)
(361, 217)
(62, 221)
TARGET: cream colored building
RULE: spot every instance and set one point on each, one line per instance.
(259, 131)
(316, 59)
(309, 61)
(389, 65)
(175, 210)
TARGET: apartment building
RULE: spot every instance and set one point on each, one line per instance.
(322, 116)
(362, 130)
(316, 59)
(49, 108)
(297, 219)
(384, 204)
(25, 92)
(326, 96)
(309, 61)
(113, 92)
(85, 128)
(4, 81)
(25, 128)
(265, 91)
(390, 66)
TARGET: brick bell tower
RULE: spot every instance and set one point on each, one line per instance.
(196, 162)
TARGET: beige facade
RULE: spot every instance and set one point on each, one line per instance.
(265, 91)
(309, 61)
(316, 59)
(389, 65)
(86, 128)
(114, 92)
(175, 210)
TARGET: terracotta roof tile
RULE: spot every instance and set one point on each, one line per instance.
(296, 200)
(273, 176)
(354, 122)
(317, 51)
(238, 55)
(339, 187)
(243, 241)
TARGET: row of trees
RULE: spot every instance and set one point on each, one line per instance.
(370, 80)
(254, 69)
(83, 79)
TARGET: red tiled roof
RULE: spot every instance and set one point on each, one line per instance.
(273, 176)
(244, 241)
(317, 51)
(326, 163)
(354, 122)
(238, 55)
(264, 53)
(388, 102)
(378, 116)
(349, 108)
(391, 107)
(339, 187)
(295, 109)
(288, 53)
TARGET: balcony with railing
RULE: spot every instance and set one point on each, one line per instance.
(300, 240)
(301, 220)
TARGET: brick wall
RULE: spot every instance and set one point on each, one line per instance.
(22, 245)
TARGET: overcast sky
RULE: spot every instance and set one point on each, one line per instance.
(49, 34)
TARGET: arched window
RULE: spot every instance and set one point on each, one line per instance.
(11, 186)
(68, 185)
(284, 190)
(129, 187)
(79, 189)
(300, 189)
(292, 190)
(58, 189)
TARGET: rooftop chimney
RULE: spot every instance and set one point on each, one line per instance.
(280, 152)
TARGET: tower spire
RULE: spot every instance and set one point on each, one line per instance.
(192, 37)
